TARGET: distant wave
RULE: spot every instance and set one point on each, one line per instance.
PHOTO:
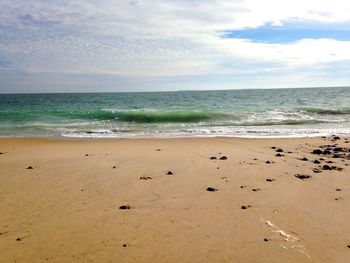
(327, 111)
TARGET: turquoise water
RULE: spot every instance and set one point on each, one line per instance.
(254, 113)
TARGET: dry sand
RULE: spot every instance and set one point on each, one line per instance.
(66, 209)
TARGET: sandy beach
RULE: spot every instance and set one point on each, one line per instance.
(175, 200)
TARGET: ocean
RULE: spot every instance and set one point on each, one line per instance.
(237, 113)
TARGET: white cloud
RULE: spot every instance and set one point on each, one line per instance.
(165, 38)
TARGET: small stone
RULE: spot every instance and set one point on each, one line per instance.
(158, 150)
(302, 176)
(114, 167)
(125, 207)
(256, 189)
(316, 170)
(125, 245)
(212, 189)
(265, 239)
(243, 207)
(348, 246)
(338, 189)
(273, 148)
(279, 155)
(268, 162)
(270, 180)
(223, 158)
(279, 150)
(18, 239)
(317, 162)
(304, 159)
(213, 158)
(317, 151)
(30, 167)
(326, 167)
(86, 155)
(145, 178)
(169, 173)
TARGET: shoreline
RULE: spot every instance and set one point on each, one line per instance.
(225, 200)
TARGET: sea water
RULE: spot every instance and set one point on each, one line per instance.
(242, 113)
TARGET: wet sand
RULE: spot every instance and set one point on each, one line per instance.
(175, 200)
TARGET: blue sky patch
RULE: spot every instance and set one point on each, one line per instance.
(289, 33)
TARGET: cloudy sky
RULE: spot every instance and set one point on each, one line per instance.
(144, 45)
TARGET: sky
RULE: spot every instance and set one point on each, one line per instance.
(167, 45)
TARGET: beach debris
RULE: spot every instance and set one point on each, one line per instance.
(223, 157)
(169, 173)
(270, 179)
(125, 207)
(30, 167)
(302, 176)
(212, 189)
(213, 158)
(145, 178)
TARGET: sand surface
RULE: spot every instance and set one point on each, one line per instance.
(66, 209)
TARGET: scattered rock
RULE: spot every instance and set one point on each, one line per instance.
(158, 150)
(270, 180)
(18, 239)
(223, 158)
(336, 138)
(242, 186)
(304, 159)
(338, 189)
(243, 207)
(145, 178)
(317, 151)
(169, 173)
(268, 162)
(326, 167)
(212, 189)
(265, 239)
(125, 245)
(1, 153)
(316, 170)
(256, 189)
(302, 176)
(86, 155)
(317, 162)
(339, 169)
(114, 167)
(213, 158)
(30, 167)
(279, 155)
(329, 162)
(273, 147)
(125, 207)
(279, 150)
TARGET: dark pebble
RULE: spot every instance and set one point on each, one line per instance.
(329, 162)
(125, 245)
(304, 159)
(145, 178)
(279, 150)
(18, 239)
(30, 167)
(124, 207)
(213, 158)
(302, 176)
(265, 239)
(270, 180)
(317, 162)
(243, 207)
(223, 158)
(158, 150)
(169, 173)
(317, 151)
(212, 189)
(338, 189)
(114, 167)
(316, 170)
(268, 162)
(279, 155)
(273, 147)
(256, 189)
(336, 138)
(326, 167)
